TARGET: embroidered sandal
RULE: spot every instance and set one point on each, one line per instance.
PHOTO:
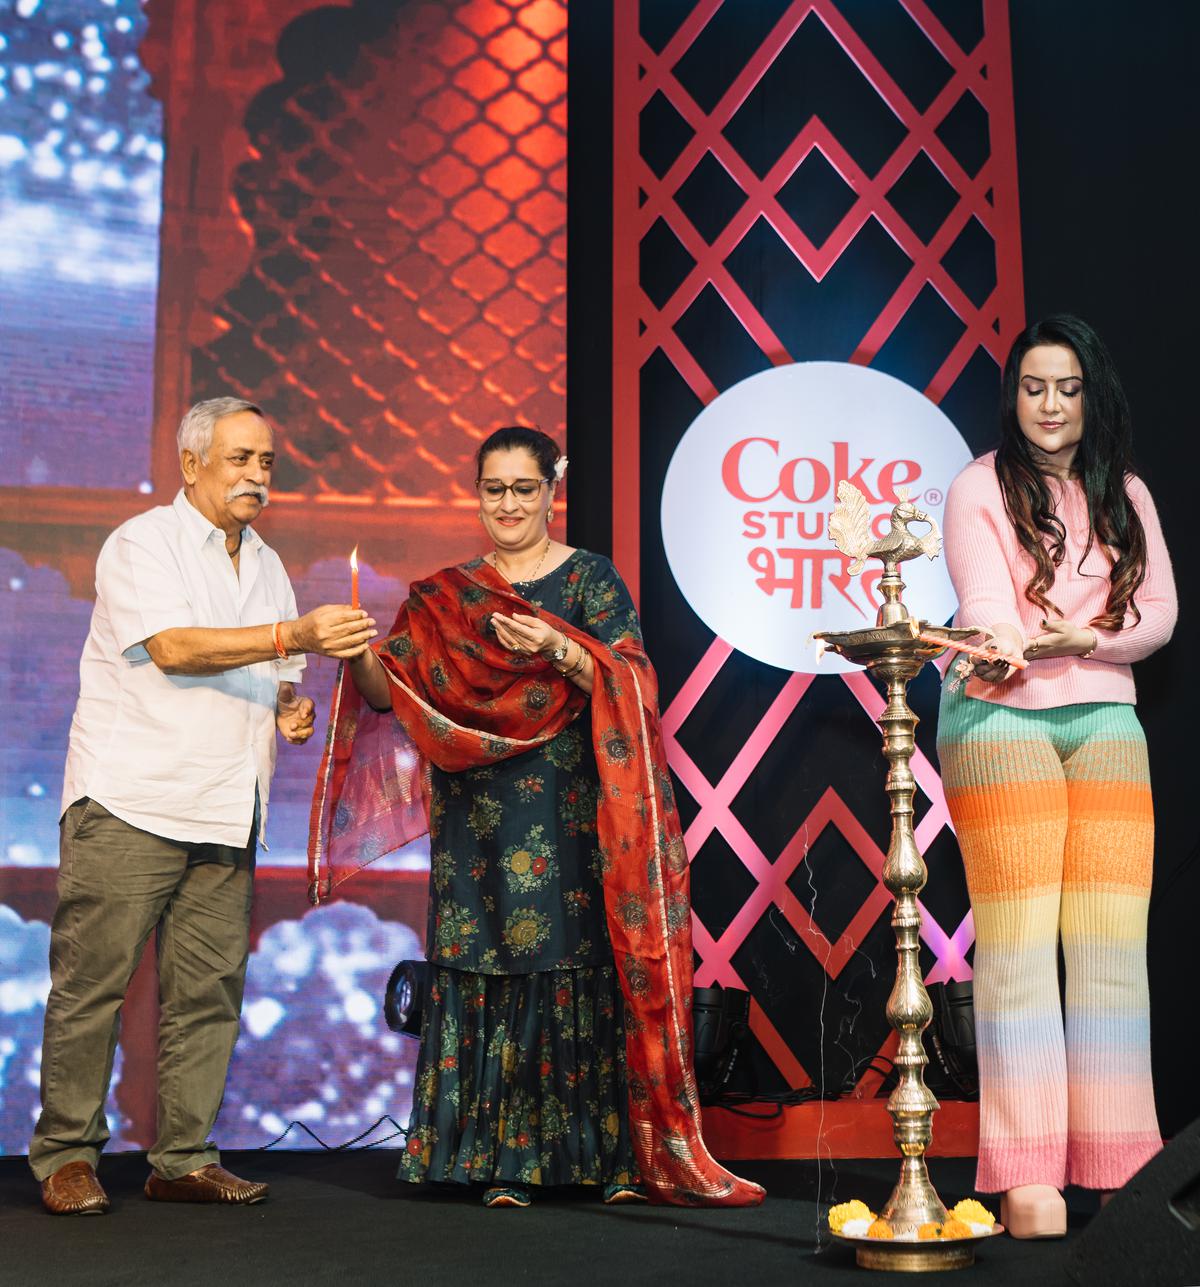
(616, 1195)
(507, 1195)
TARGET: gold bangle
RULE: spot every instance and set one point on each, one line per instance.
(1095, 642)
(579, 665)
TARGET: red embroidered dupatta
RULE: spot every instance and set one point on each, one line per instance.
(460, 700)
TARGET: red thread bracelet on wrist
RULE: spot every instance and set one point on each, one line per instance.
(277, 639)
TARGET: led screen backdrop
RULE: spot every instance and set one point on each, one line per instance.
(353, 214)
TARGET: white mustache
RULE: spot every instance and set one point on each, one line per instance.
(262, 494)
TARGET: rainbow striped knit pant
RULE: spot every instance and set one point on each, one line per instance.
(1054, 818)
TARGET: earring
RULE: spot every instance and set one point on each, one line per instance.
(550, 514)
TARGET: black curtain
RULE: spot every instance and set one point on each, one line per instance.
(1107, 124)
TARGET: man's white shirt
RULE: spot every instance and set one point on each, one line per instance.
(178, 755)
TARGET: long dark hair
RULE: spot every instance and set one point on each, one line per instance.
(540, 446)
(1103, 462)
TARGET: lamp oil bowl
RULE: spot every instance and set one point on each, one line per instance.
(894, 650)
(909, 1255)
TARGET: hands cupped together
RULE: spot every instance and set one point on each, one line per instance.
(525, 634)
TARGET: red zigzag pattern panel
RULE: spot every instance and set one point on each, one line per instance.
(978, 79)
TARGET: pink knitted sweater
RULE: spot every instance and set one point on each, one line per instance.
(990, 570)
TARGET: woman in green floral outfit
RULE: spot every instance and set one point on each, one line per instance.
(521, 1075)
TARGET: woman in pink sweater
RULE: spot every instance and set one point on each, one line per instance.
(1053, 544)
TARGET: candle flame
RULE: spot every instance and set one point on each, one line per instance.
(354, 558)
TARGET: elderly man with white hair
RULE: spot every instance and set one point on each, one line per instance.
(187, 672)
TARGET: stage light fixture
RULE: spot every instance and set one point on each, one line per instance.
(404, 1000)
(952, 1035)
(722, 1019)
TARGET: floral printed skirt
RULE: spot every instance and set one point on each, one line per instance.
(521, 1079)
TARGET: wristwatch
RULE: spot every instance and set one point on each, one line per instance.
(559, 654)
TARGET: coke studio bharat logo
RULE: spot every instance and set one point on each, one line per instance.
(749, 491)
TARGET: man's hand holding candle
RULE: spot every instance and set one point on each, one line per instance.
(333, 630)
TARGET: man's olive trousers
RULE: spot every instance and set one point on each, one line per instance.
(116, 884)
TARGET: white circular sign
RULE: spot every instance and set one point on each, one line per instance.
(749, 491)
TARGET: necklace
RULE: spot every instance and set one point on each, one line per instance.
(525, 579)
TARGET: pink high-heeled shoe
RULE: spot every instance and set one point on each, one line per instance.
(1034, 1211)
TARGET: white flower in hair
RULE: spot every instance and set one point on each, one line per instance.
(560, 468)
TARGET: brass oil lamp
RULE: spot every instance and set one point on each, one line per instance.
(894, 650)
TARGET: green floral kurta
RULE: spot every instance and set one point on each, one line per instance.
(521, 1071)
(515, 867)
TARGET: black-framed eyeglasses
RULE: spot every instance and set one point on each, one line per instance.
(524, 489)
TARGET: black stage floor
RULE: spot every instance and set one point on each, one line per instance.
(342, 1218)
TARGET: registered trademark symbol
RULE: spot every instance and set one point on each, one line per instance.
(933, 497)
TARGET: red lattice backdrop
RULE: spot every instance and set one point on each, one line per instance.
(387, 271)
(976, 80)
(406, 291)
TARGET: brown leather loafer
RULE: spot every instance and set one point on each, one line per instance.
(210, 1183)
(74, 1190)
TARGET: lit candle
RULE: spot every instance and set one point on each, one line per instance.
(973, 650)
(354, 577)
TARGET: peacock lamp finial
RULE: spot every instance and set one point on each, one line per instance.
(850, 531)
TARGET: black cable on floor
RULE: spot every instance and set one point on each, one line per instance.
(349, 1145)
(737, 1102)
